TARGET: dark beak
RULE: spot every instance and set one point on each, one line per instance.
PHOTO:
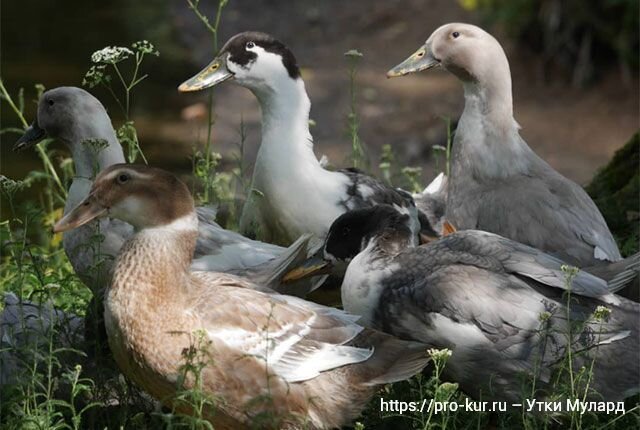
(422, 59)
(215, 73)
(88, 210)
(31, 136)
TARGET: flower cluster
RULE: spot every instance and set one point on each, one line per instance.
(601, 313)
(440, 355)
(95, 76)
(111, 55)
(145, 47)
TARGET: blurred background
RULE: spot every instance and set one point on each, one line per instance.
(574, 65)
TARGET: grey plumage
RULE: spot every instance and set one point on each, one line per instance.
(497, 182)
(502, 307)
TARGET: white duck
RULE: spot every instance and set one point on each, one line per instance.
(296, 362)
(295, 193)
(78, 119)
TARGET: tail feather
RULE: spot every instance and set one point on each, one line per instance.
(393, 359)
(618, 274)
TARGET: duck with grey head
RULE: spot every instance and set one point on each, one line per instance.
(300, 363)
(498, 184)
(78, 119)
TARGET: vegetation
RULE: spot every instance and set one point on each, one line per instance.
(578, 37)
(55, 383)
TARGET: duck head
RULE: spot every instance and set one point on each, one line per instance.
(60, 115)
(352, 232)
(140, 195)
(465, 50)
(252, 59)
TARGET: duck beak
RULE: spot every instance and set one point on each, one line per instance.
(89, 209)
(31, 136)
(422, 59)
(215, 73)
(312, 266)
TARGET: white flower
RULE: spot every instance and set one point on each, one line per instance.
(111, 55)
(145, 47)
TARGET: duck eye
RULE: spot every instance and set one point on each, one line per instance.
(122, 178)
(51, 102)
(455, 34)
(250, 45)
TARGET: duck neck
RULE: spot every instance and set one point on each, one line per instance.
(93, 148)
(487, 141)
(155, 261)
(286, 139)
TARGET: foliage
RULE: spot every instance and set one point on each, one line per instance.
(113, 59)
(616, 191)
(580, 37)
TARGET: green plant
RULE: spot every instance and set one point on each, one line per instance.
(114, 59)
(358, 153)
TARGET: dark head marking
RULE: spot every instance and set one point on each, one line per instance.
(238, 48)
(351, 231)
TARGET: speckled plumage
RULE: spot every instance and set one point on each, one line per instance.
(316, 365)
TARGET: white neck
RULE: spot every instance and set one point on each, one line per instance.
(285, 125)
(362, 284)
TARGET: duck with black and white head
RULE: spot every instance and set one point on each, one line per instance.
(295, 193)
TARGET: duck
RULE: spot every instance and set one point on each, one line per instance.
(79, 120)
(298, 362)
(500, 307)
(295, 194)
(497, 183)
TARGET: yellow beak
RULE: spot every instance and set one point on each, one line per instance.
(314, 265)
(422, 59)
(215, 73)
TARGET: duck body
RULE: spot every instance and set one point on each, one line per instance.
(300, 363)
(291, 192)
(498, 184)
(79, 120)
(500, 306)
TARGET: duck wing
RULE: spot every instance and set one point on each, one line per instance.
(297, 339)
(221, 250)
(493, 252)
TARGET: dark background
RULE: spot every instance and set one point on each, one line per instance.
(575, 109)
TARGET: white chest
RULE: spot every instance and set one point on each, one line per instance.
(363, 285)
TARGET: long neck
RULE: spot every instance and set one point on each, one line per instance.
(285, 124)
(487, 142)
(155, 261)
(89, 159)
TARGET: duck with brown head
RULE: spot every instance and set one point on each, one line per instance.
(498, 184)
(78, 119)
(316, 366)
